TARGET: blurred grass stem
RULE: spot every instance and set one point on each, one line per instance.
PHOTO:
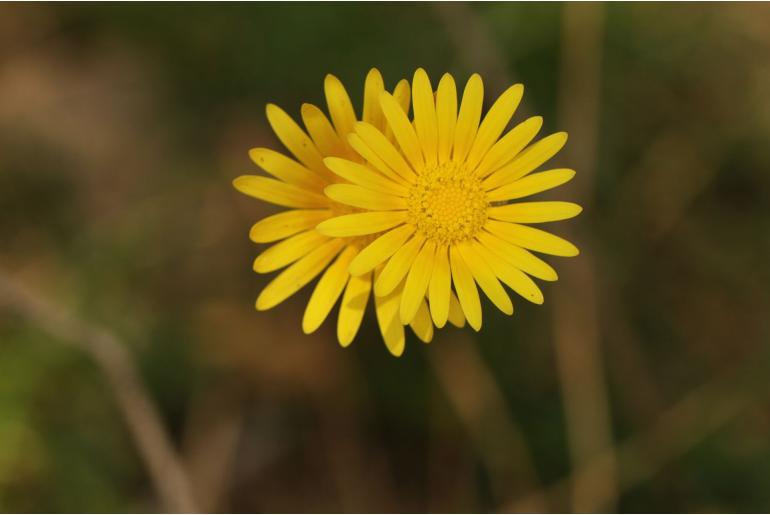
(575, 314)
(140, 414)
(480, 405)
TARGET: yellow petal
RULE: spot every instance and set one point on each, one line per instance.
(517, 280)
(294, 138)
(288, 251)
(456, 315)
(507, 148)
(425, 116)
(527, 161)
(494, 123)
(363, 176)
(535, 212)
(468, 119)
(380, 249)
(531, 184)
(533, 239)
(359, 224)
(321, 131)
(278, 192)
(516, 256)
(298, 275)
(327, 291)
(285, 169)
(385, 150)
(387, 318)
(417, 282)
(486, 278)
(373, 159)
(357, 196)
(421, 324)
(352, 308)
(340, 106)
(440, 287)
(285, 224)
(373, 86)
(402, 130)
(466, 289)
(446, 114)
(402, 95)
(398, 266)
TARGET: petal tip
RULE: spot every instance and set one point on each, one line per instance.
(329, 190)
(307, 108)
(238, 182)
(381, 289)
(262, 304)
(357, 268)
(345, 336)
(254, 153)
(272, 109)
(397, 350)
(324, 227)
(308, 326)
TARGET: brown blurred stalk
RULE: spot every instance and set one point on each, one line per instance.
(479, 403)
(473, 43)
(117, 365)
(575, 318)
(574, 301)
(695, 417)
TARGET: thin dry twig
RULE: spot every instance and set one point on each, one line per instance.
(144, 423)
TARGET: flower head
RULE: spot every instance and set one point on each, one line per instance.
(298, 184)
(439, 196)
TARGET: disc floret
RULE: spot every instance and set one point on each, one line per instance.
(447, 204)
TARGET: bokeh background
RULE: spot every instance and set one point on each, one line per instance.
(135, 374)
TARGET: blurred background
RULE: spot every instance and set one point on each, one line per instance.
(135, 374)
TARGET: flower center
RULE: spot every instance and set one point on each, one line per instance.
(447, 204)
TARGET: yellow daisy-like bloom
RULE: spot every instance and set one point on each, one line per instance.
(442, 199)
(299, 184)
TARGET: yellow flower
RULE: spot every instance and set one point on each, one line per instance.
(441, 199)
(299, 184)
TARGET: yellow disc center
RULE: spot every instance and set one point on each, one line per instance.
(447, 204)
